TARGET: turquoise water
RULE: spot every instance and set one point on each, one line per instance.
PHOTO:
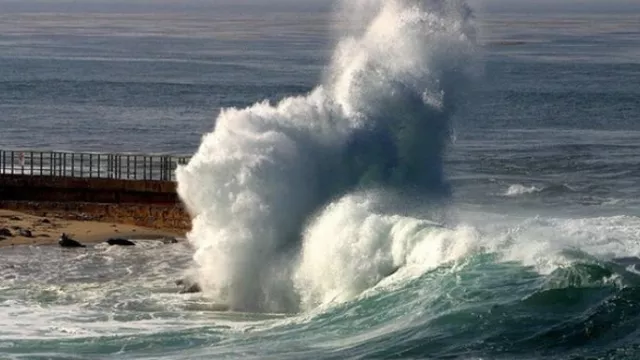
(476, 307)
(433, 185)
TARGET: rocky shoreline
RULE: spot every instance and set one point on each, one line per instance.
(17, 228)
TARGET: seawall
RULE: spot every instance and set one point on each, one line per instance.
(49, 188)
(149, 203)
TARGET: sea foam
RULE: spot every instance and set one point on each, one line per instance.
(379, 120)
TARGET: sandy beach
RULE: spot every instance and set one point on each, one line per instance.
(26, 229)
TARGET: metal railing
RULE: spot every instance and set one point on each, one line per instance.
(90, 165)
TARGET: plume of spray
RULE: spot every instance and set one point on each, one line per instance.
(262, 183)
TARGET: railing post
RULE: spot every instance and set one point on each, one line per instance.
(151, 167)
(169, 167)
(161, 167)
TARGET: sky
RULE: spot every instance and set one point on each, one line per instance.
(501, 6)
(580, 6)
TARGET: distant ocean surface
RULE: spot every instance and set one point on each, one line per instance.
(367, 219)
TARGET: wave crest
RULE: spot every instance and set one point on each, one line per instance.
(381, 119)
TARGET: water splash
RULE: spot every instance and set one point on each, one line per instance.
(380, 119)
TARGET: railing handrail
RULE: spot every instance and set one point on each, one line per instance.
(175, 155)
(130, 166)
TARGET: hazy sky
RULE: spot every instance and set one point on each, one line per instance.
(578, 6)
(564, 5)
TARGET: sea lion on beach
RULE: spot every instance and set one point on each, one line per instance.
(120, 242)
(67, 242)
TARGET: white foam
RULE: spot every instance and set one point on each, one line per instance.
(351, 248)
(380, 117)
(518, 189)
(59, 294)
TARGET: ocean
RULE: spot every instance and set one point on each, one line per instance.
(370, 179)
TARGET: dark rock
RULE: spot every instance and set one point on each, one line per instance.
(25, 233)
(2, 238)
(120, 242)
(188, 286)
(193, 289)
(15, 227)
(169, 240)
(5, 232)
(15, 218)
(66, 241)
(45, 221)
(84, 216)
(44, 235)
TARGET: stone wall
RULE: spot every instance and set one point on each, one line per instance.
(46, 188)
(153, 204)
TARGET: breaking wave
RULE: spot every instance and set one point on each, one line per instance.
(274, 183)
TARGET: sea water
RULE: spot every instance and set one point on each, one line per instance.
(370, 179)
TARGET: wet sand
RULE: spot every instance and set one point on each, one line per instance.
(47, 230)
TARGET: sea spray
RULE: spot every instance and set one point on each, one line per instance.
(352, 247)
(380, 120)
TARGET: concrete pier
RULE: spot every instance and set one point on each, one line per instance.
(130, 189)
